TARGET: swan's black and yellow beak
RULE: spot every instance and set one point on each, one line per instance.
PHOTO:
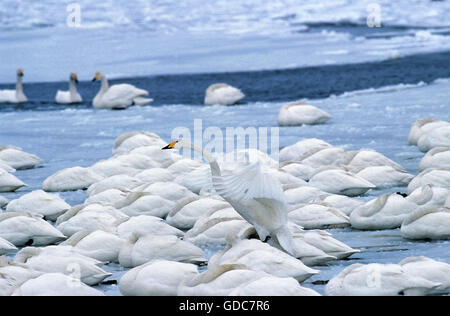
(170, 146)
(95, 77)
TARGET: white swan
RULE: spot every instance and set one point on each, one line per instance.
(110, 196)
(72, 96)
(13, 275)
(127, 142)
(254, 192)
(121, 182)
(438, 157)
(341, 202)
(260, 256)
(17, 158)
(21, 228)
(156, 278)
(60, 259)
(119, 96)
(436, 177)
(222, 93)
(429, 195)
(100, 245)
(138, 250)
(422, 126)
(145, 203)
(71, 179)
(385, 176)
(49, 205)
(321, 157)
(294, 152)
(437, 137)
(55, 284)
(376, 279)
(317, 216)
(299, 113)
(369, 158)
(272, 286)
(431, 270)
(146, 225)
(9, 182)
(385, 212)
(340, 181)
(188, 211)
(427, 222)
(17, 95)
(90, 217)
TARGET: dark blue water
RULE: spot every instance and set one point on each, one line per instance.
(259, 86)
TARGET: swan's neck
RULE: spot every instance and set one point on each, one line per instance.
(72, 88)
(19, 87)
(105, 85)
(215, 169)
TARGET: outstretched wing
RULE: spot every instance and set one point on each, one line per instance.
(249, 181)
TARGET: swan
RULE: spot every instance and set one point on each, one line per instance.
(155, 175)
(320, 157)
(260, 256)
(162, 158)
(436, 177)
(49, 205)
(340, 181)
(298, 170)
(299, 113)
(14, 96)
(385, 176)
(18, 159)
(170, 191)
(437, 137)
(55, 284)
(127, 142)
(237, 279)
(341, 202)
(429, 195)
(6, 246)
(304, 195)
(370, 158)
(6, 167)
(146, 225)
(422, 126)
(253, 191)
(145, 203)
(427, 222)
(13, 275)
(138, 250)
(72, 96)
(438, 157)
(71, 179)
(121, 182)
(429, 269)
(294, 152)
(9, 182)
(90, 217)
(119, 96)
(271, 286)
(323, 241)
(385, 212)
(188, 211)
(216, 226)
(317, 216)
(21, 228)
(376, 279)
(156, 278)
(222, 93)
(59, 259)
(110, 196)
(100, 245)
(112, 167)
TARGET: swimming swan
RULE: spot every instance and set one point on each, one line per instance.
(14, 96)
(71, 96)
(222, 93)
(299, 113)
(254, 192)
(119, 96)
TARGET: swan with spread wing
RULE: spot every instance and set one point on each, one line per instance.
(253, 191)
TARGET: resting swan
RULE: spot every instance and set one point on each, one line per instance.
(14, 96)
(71, 96)
(119, 96)
(222, 93)
(299, 113)
(254, 192)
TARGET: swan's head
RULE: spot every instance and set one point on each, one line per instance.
(98, 75)
(176, 144)
(20, 72)
(74, 77)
